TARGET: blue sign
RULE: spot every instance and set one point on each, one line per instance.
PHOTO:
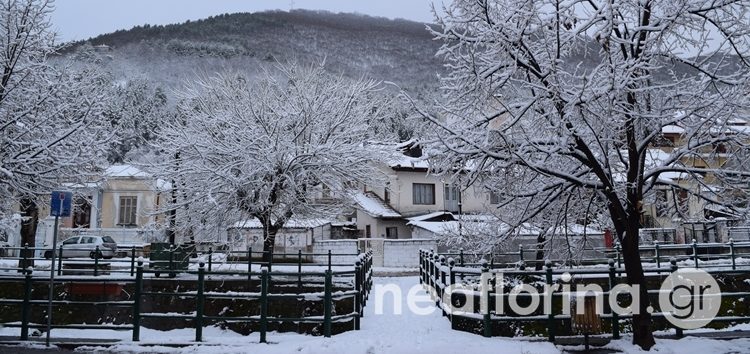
(61, 203)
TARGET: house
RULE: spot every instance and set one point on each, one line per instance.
(410, 191)
(122, 203)
(685, 210)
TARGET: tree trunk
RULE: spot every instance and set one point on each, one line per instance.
(642, 331)
(540, 241)
(30, 218)
(269, 241)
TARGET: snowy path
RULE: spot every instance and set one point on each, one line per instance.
(385, 332)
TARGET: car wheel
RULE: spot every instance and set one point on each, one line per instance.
(47, 254)
(93, 255)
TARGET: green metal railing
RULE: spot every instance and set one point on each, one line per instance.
(172, 265)
(437, 273)
(657, 253)
(358, 281)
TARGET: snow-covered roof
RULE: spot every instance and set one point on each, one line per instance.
(125, 171)
(85, 185)
(399, 160)
(290, 224)
(163, 185)
(436, 227)
(433, 215)
(448, 227)
(672, 129)
(371, 204)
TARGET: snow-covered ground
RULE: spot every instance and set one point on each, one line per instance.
(381, 333)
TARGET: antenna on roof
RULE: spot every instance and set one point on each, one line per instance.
(291, 5)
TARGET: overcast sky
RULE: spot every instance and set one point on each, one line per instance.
(82, 19)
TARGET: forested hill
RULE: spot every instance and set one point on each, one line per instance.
(355, 45)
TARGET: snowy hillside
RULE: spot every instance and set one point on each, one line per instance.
(355, 45)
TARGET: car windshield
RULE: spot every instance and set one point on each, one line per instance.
(108, 239)
(71, 241)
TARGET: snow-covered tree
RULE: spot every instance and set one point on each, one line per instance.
(50, 128)
(137, 109)
(576, 94)
(270, 148)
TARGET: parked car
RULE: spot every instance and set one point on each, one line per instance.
(85, 246)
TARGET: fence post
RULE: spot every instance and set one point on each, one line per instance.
(96, 261)
(25, 257)
(200, 301)
(59, 261)
(551, 316)
(451, 274)
(358, 290)
(132, 261)
(263, 304)
(673, 268)
(329, 260)
(299, 270)
(137, 301)
(430, 256)
(421, 265)
(658, 259)
(484, 300)
(492, 260)
(210, 257)
(615, 315)
(327, 306)
(442, 275)
(249, 263)
(461, 257)
(438, 278)
(695, 253)
(618, 249)
(731, 253)
(435, 270)
(171, 261)
(520, 253)
(26, 310)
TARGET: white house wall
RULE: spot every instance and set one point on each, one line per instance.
(401, 195)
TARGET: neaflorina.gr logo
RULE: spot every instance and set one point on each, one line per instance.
(690, 298)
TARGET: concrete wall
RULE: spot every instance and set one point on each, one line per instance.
(396, 253)
(336, 247)
(287, 240)
(405, 253)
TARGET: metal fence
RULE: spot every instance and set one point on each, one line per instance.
(358, 281)
(439, 273)
(656, 253)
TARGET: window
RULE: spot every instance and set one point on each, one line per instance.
(494, 198)
(368, 231)
(128, 209)
(387, 196)
(391, 232)
(423, 193)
